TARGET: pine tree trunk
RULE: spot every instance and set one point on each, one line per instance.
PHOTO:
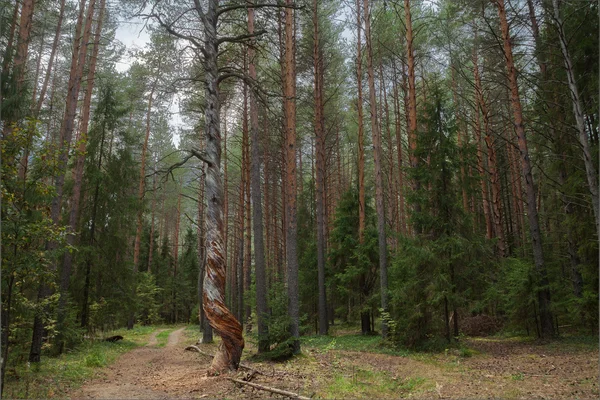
(81, 153)
(480, 161)
(495, 207)
(379, 204)
(400, 174)
(590, 169)
(66, 132)
(11, 37)
(320, 174)
(412, 92)
(257, 214)
(361, 140)
(20, 62)
(51, 59)
(142, 183)
(543, 292)
(289, 104)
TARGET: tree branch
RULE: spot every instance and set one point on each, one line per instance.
(227, 9)
(240, 38)
(202, 156)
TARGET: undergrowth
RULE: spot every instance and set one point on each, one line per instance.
(56, 376)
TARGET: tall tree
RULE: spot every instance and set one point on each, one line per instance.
(319, 127)
(361, 146)
(289, 104)
(543, 291)
(590, 169)
(379, 206)
(257, 214)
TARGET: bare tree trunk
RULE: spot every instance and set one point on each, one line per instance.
(153, 212)
(40, 101)
(412, 92)
(20, 62)
(320, 173)
(221, 319)
(66, 132)
(248, 215)
(480, 165)
(257, 214)
(207, 335)
(142, 184)
(400, 174)
(361, 148)
(543, 292)
(81, 153)
(590, 169)
(289, 104)
(378, 171)
(11, 37)
(495, 206)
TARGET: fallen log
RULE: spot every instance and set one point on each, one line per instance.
(270, 389)
(113, 338)
(243, 366)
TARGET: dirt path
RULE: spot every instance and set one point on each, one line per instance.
(498, 369)
(144, 372)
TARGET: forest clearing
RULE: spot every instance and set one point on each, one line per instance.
(343, 365)
(381, 197)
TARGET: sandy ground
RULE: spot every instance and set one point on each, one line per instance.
(500, 370)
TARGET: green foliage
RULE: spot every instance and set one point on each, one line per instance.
(147, 293)
(56, 376)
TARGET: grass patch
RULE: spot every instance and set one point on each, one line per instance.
(363, 383)
(56, 376)
(364, 343)
(162, 337)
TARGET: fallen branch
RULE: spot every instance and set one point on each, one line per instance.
(244, 366)
(270, 389)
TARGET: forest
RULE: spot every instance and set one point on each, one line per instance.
(272, 172)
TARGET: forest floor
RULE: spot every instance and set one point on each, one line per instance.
(354, 366)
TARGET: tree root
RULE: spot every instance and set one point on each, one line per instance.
(270, 389)
(243, 366)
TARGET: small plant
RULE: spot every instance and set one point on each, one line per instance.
(95, 359)
(517, 377)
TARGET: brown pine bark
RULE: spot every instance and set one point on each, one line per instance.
(248, 224)
(543, 292)
(400, 174)
(78, 173)
(142, 182)
(20, 62)
(257, 214)
(176, 253)
(66, 132)
(320, 172)
(361, 148)
(152, 218)
(289, 104)
(51, 59)
(478, 138)
(379, 204)
(460, 132)
(412, 92)
(495, 203)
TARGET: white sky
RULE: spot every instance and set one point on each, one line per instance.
(133, 35)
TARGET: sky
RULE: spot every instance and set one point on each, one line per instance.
(133, 35)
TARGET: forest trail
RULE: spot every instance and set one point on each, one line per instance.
(148, 372)
(497, 368)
